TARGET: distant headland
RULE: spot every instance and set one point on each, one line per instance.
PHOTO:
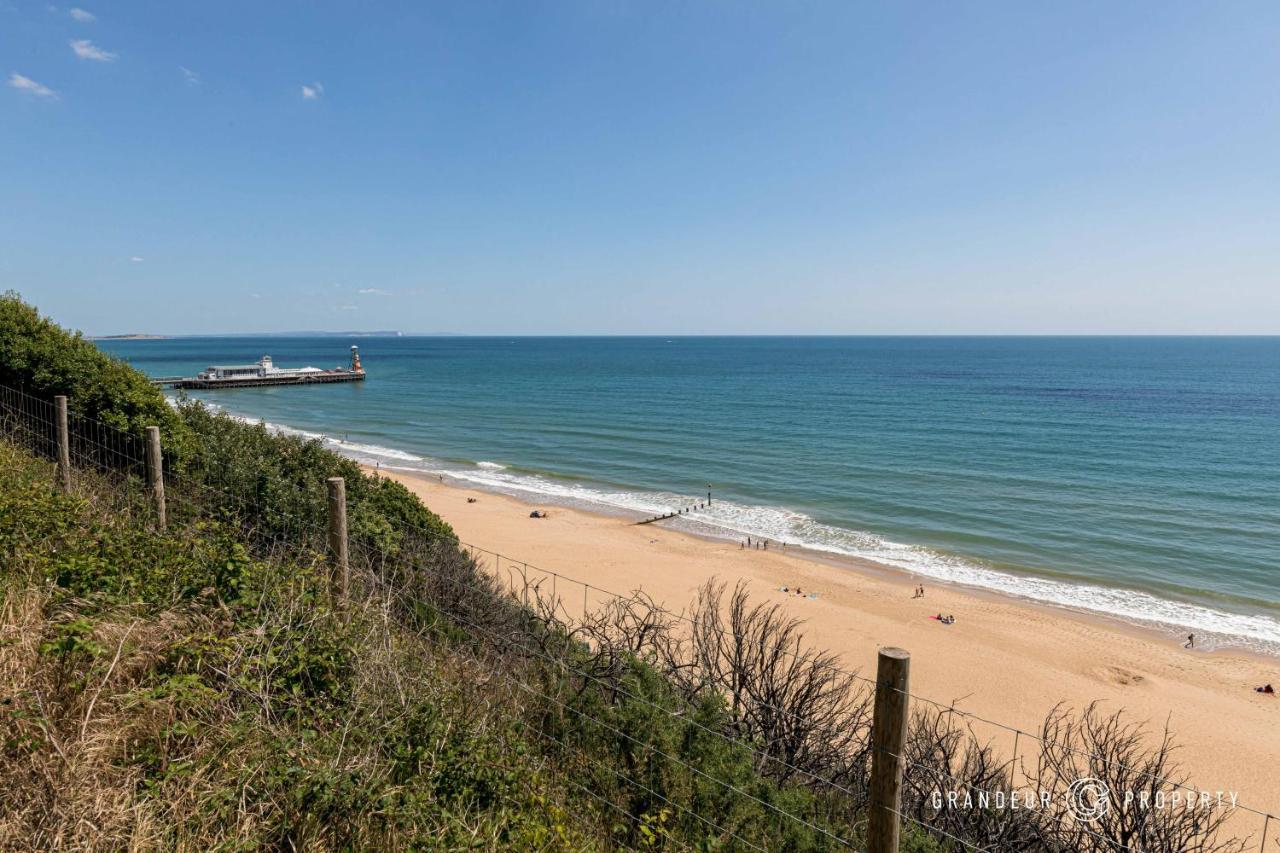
(381, 333)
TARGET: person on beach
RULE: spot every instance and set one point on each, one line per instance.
(1268, 689)
(1191, 642)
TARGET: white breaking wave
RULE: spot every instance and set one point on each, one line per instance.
(367, 453)
(725, 519)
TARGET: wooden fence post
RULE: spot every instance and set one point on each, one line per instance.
(888, 739)
(338, 533)
(155, 475)
(64, 442)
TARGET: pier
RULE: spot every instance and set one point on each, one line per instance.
(256, 382)
(263, 372)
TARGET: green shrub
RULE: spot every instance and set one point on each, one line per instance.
(41, 358)
(105, 558)
(277, 481)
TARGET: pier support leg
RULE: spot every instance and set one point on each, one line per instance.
(888, 738)
(64, 442)
(338, 535)
(155, 476)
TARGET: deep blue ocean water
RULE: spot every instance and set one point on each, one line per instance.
(1134, 476)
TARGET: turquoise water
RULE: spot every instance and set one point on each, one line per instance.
(1138, 477)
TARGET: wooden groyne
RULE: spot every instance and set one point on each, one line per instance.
(684, 510)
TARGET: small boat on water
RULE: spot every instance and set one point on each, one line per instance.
(265, 372)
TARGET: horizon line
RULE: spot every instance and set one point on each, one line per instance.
(145, 336)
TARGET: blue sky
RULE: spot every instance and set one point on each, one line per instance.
(645, 167)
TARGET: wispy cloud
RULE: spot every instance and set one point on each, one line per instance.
(86, 49)
(312, 92)
(26, 84)
(137, 260)
(373, 291)
(82, 16)
(348, 307)
(191, 77)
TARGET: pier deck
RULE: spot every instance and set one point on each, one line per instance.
(188, 382)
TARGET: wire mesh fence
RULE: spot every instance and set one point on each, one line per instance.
(587, 633)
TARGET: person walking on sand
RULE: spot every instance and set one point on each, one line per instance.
(1191, 642)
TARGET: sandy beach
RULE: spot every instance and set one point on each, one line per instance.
(1004, 659)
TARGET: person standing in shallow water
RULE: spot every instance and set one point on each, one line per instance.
(1191, 642)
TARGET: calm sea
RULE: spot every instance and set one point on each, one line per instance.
(1138, 477)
